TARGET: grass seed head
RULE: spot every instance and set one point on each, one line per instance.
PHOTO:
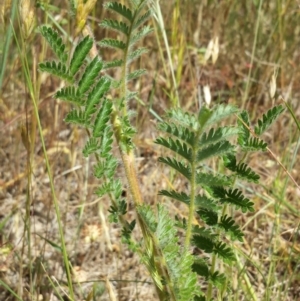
(272, 90)
(27, 17)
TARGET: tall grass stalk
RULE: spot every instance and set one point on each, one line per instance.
(7, 40)
(155, 5)
(30, 85)
(254, 47)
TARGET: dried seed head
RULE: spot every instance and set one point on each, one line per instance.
(212, 50)
(215, 50)
(209, 50)
(27, 17)
(4, 9)
(273, 85)
(207, 94)
(83, 10)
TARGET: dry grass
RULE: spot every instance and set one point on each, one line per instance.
(270, 255)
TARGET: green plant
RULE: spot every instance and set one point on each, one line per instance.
(196, 138)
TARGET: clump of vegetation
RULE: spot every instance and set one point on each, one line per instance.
(195, 138)
(188, 257)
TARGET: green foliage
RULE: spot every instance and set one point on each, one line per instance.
(80, 53)
(244, 124)
(118, 26)
(77, 117)
(176, 145)
(197, 139)
(55, 43)
(56, 69)
(70, 94)
(268, 119)
(132, 30)
(178, 166)
(241, 169)
(120, 9)
(90, 74)
(111, 43)
(102, 118)
(179, 262)
(216, 149)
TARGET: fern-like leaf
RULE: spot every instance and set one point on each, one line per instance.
(217, 279)
(89, 76)
(106, 168)
(185, 281)
(148, 217)
(136, 54)
(203, 243)
(221, 112)
(70, 94)
(230, 162)
(267, 119)
(210, 180)
(203, 116)
(55, 42)
(57, 69)
(104, 189)
(245, 172)
(211, 117)
(91, 147)
(77, 117)
(242, 169)
(216, 135)
(80, 53)
(234, 197)
(205, 232)
(223, 251)
(244, 124)
(227, 223)
(179, 196)
(112, 43)
(135, 74)
(142, 19)
(175, 145)
(180, 132)
(184, 118)
(254, 144)
(95, 96)
(102, 118)
(140, 34)
(116, 26)
(208, 216)
(179, 166)
(120, 9)
(201, 267)
(106, 142)
(204, 202)
(113, 64)
(217, 149)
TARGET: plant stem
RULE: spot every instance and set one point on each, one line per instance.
(192, 203)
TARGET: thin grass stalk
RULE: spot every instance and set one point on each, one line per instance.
(55, 201)
(7, 38)
(28, 139)
(280, 18)
(160, 21)
(9, 289)
(246, 279)
(248, 83)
